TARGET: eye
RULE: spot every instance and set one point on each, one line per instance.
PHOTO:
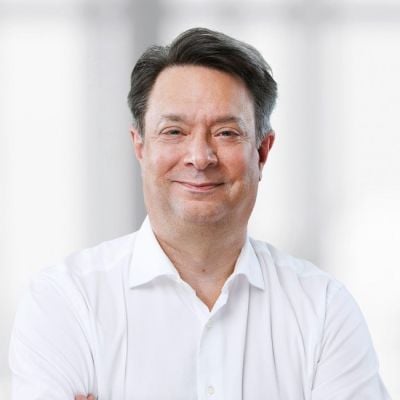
(228, 133)
(172, 132)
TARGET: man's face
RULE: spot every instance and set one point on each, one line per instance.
(199, 159)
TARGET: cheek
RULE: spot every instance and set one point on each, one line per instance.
(154, 156)
(243, 166)
(158, 164)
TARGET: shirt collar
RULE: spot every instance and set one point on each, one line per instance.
(149, 261)
(148, 258)
(248, 265)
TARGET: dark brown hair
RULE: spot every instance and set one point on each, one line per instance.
(204, 47)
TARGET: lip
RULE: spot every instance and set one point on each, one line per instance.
(200, 187)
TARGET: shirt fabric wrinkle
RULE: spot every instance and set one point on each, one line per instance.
(138, 331)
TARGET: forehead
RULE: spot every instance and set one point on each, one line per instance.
(199, 93)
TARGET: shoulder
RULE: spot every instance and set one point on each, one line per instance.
(305, 297)
(62, 316)
(80, 276)
(297, 277)
(105, 256)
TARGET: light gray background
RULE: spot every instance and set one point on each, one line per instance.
(331, 190)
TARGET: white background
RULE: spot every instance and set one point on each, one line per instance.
(331, 191)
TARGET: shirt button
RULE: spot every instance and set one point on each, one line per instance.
(209, 325)
(210, 390)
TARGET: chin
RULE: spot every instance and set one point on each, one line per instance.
(203, 216)
(202, 220)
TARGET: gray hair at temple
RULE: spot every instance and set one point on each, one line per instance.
(207, 48)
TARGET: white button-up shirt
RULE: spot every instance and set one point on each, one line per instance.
(118, 321)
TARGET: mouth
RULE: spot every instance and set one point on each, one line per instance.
(200, 187)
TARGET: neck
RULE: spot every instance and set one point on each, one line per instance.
(204, 255)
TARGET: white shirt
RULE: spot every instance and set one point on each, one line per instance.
(117, 321)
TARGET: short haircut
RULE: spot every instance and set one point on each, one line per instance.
(207, 48)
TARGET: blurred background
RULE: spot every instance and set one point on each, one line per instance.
(331, 189)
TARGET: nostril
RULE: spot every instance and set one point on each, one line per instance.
(201, 159)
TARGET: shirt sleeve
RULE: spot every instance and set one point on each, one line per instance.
(348, 366)
(50, 355)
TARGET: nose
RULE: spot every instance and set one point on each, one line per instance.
(200, 153)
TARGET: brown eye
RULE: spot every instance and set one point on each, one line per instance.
(172, 132)
(227, 133)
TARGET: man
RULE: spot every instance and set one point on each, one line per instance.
(190, 307)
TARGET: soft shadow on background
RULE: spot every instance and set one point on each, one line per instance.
(331, 190)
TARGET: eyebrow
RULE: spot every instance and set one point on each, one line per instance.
(219, 120)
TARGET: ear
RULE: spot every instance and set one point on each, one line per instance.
(264, 149)
(138, 143)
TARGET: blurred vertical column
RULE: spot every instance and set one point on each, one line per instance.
(360, 180)
(68, 178)
(40, 147)
(118, 33)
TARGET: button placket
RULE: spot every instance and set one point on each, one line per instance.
(210, 374)
(210, 382)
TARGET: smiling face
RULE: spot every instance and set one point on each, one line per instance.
(199, 160)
